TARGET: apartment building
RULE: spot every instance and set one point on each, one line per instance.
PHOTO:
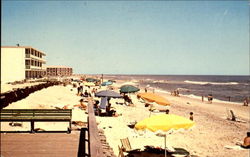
(59, 71)
(21, 62)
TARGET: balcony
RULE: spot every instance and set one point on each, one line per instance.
(30, 56)
(27, 55)
(27, 67)
(32, 67)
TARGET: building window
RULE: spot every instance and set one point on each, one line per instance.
(27, 51)
(27, 62)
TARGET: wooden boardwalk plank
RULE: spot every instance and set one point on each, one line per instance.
(40, 145)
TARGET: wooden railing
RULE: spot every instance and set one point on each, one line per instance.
(94, 147)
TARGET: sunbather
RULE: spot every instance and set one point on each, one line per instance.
(81, 105)
(246, 141)
(110, 111)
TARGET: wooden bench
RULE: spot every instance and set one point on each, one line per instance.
(36, 115)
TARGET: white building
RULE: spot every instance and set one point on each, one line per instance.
(21, 62)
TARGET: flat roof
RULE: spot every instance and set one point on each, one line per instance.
(23, 47)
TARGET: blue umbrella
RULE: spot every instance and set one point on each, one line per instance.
(108, 93)
(107, 83)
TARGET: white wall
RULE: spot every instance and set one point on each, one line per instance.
(12, 64)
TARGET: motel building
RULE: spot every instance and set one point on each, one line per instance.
(21, 62)
(55, 71)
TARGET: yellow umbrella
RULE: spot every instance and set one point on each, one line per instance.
(89, 84)
(152, 97)
(164, 123)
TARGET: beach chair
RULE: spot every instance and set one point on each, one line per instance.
(104, 101)
(121, 153)
(126, 145)
(102, 107)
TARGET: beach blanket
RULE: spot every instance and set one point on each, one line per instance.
(234, 147)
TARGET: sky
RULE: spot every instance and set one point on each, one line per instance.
(134, 37)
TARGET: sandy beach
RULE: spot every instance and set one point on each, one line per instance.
(211, 133)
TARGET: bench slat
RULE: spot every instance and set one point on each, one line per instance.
(35, 118)
(35, 114)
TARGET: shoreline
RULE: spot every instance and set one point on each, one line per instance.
(223, 89)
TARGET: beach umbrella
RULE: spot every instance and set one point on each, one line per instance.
(107, 83)
(90, 79)
(128, 89)
(163, 123)
(89, 84)
(112, 81)
(152, 97)
(108, 93)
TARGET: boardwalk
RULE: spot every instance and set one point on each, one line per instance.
(40, 144)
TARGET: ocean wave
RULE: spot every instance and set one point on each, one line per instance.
(183, 89)
(160, 81)
(214, 100)
(213, 83)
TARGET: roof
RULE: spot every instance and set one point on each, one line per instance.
(23, 47)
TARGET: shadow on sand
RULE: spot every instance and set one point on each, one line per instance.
(151, 152)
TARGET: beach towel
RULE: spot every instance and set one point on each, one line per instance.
(104, 101)
(234, 147)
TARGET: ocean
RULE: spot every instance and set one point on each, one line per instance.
(221, 87)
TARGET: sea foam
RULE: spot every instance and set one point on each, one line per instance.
(214, 83)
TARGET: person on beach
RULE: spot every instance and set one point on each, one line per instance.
(202, 98)
(191, 116)
(167, 111)
(246, 142)
(78, 90)
(127, 100)
(109, 111)
(96, 107)
(93, 91)
(85, 94)
(152, 108)
(210, 98)
(81, 89)
(138, 97)
(146, 90)
(246, 101)
(177, 92)
(81, 105)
